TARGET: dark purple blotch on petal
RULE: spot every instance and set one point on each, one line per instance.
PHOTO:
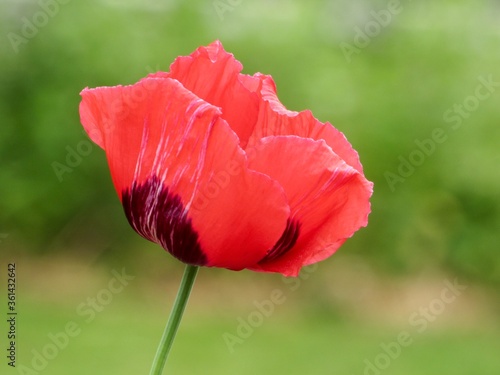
(159, 216)
(286, 241)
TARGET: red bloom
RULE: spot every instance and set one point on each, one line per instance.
(211, 166)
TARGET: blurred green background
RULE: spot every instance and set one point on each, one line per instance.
(414, 85)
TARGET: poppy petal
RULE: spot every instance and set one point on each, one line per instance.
(181, 175)
(212, 74)
(274, 119)
(329, 200)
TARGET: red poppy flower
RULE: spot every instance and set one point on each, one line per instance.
(211, 166)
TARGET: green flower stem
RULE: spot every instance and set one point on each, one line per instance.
(174, 320)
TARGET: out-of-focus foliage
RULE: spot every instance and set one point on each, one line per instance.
(387, 97)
